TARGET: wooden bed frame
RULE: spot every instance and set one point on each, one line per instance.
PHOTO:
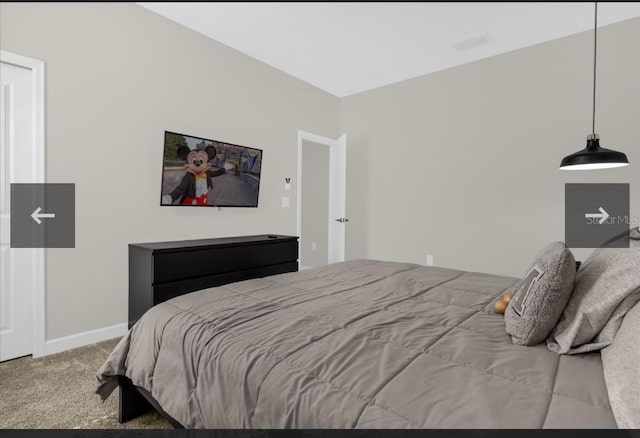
(135, 401)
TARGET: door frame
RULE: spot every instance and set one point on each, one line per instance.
(338, 173)
(38, 259)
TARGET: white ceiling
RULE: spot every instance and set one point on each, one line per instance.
(347, 48)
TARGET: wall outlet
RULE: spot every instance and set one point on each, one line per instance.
(285, 202)
(314, 246)
(429, 260)
(287, 186)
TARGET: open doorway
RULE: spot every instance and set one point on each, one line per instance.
(321, 199)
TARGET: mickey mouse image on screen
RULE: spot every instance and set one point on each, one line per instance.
(196, 182)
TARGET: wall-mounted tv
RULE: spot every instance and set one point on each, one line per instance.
(209, 173)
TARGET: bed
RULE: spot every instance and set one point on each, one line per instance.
(359, 344)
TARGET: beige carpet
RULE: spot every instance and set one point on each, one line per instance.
(57, 391)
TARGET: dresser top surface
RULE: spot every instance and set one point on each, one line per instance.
(182, 244)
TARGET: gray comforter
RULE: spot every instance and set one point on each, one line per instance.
(362, 344)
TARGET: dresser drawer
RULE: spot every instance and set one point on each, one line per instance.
(166, 291)
(180, 265)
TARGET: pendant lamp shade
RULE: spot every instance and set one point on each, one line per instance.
(594, 156)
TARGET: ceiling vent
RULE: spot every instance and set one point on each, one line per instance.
(470, 43)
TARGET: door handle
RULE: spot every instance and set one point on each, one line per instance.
(342, 220)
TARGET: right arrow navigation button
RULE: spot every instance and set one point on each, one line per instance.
(588, 223)
(603, 216)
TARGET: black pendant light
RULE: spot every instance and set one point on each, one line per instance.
(593, 156)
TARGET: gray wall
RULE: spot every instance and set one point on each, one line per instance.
(315, 204)
(463, 163)
(117, 76)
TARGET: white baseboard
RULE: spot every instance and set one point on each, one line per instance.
(65, 343)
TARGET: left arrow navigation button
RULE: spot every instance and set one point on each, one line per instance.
(36, 215)
(43, 215)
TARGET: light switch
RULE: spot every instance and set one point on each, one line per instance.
(285, 202)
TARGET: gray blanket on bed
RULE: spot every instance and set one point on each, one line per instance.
(364, 344)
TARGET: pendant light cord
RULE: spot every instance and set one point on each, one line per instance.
(595, 47)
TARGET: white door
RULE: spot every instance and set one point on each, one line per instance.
(321, 199)
(17, 165)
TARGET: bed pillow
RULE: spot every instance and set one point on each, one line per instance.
(621, 365)
(541, 295)
(607, 286)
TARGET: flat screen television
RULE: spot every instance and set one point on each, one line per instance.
(209, 173)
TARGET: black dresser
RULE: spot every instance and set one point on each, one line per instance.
(164, 270)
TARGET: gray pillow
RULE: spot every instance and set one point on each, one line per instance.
(541, 295)
(607, 286)
(621, 364)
